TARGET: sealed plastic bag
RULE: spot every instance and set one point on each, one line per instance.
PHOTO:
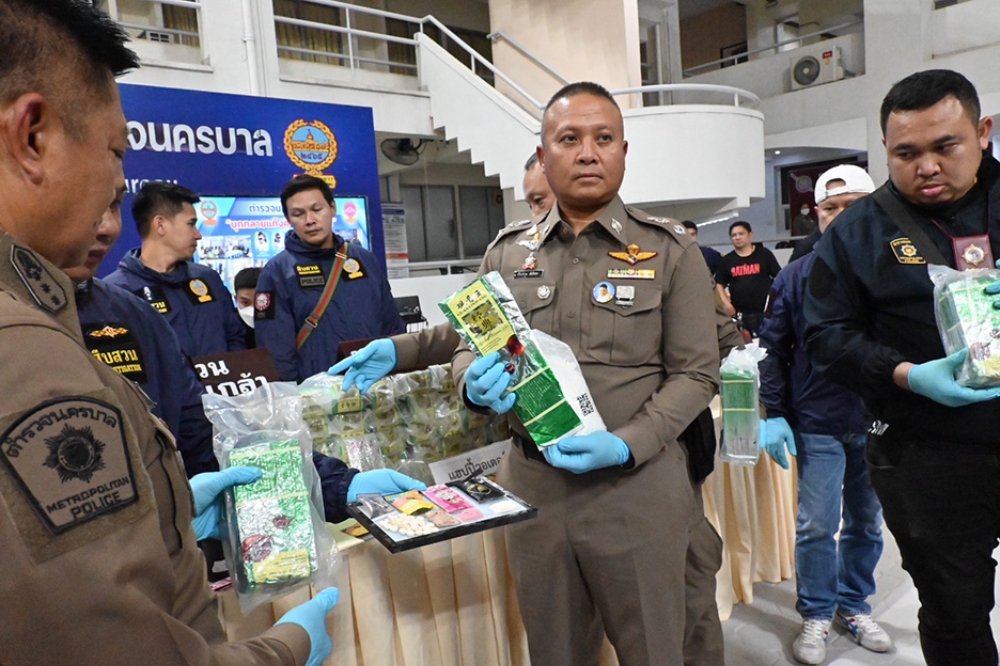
(966, 318)
(567, 370)
(487, 318)
(277, 536)
(740, 412)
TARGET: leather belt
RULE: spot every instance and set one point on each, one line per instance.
(529, 447)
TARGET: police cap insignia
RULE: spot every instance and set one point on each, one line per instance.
(71, 460)
(41, 284)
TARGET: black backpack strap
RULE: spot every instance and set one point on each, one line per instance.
(903, 219)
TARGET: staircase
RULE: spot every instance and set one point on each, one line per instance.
(684, 160)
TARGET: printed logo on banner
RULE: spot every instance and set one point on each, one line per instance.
(209, 211)
(312, 146)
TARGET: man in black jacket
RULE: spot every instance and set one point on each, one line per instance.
(933, 450)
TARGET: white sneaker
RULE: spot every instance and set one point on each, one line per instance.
(866, 631)
(810, 645)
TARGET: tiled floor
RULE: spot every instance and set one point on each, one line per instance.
(761, 634)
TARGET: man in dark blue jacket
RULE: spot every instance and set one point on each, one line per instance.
(192, 298)
(827, 422)
(300, 277)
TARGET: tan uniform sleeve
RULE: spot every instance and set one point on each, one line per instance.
(428, 346)
(129, 585)
(729, 336)
(690, 359)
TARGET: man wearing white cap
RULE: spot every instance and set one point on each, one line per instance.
(825, 421)
(829, 190)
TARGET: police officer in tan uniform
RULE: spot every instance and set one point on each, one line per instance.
(96, 539)
(628, 294)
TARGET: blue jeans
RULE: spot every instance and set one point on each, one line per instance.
(831, 575)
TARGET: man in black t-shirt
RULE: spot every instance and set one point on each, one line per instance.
(744, 277)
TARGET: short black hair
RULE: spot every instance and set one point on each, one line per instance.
(532, 161)
(688, 224)
(159, 198)
(574, 89)
(925, 89)
(581, 88)
(49, 45)
(246, 278)
(302, 184)
(740, 223)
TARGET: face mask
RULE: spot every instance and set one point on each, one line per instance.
(246, 314)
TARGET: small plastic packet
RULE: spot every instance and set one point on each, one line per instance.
(966, 319)
(277, 536)
(740, 412)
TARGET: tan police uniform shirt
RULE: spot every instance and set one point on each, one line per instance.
(100, 563)
(428, 346)
(647, 342)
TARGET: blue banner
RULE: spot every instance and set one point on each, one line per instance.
(225, 146)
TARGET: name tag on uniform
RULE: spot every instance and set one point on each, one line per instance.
(529, 274)
(115, 345)
(310, 276)
(154, 295)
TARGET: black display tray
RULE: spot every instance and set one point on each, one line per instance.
(446, 533)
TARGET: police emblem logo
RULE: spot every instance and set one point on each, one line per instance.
(353, 269)
(616, 225)
(71, 460)
(312, 146)
(906, 252)
(543, 292)
(200, 291)
(679, 229)
(973, 255)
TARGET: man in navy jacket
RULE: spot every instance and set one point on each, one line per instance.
(293, 282)
(825, 423)
(192, 298)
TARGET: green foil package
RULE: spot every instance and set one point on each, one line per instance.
(273, 523)
(966, 319)
(487, 318)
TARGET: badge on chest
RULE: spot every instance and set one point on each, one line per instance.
(310, 276)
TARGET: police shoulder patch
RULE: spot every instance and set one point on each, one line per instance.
(42, 285)
(70, 459)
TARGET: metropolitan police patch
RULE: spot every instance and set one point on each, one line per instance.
(70, 458)
(906, 252)
(263, 306)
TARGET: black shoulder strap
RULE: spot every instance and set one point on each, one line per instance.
(903, 219)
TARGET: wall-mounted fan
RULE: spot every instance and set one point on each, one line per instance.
(402, 151)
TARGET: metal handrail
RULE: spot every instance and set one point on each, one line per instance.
(737, 93)
(344, 56)
(494, 36)
(762, 49)
(342, 30)
(478, 58)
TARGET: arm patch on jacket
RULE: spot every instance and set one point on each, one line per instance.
(263, 305)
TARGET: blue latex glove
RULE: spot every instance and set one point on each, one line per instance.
(775, 435)
(486, 380)
(382, 482)
(585, 454)
(207, 490)
(936, 380)
(367, 366)
(311, 616)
